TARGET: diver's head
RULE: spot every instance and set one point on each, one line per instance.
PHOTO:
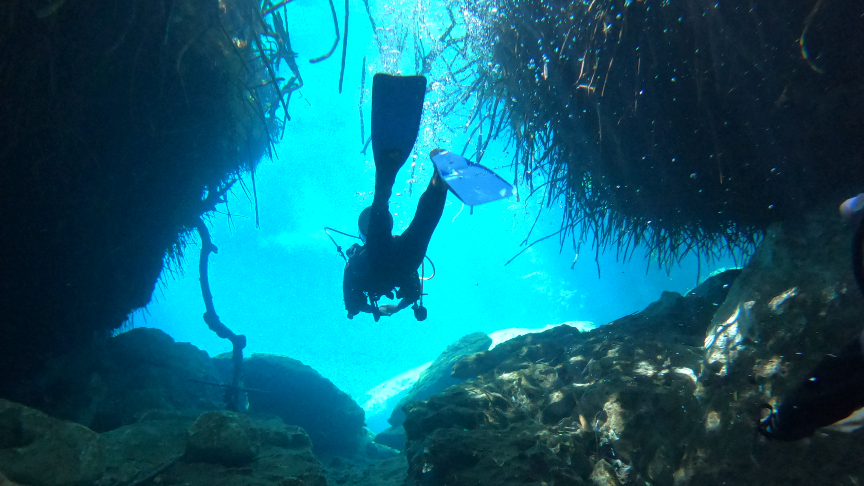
(363, 222)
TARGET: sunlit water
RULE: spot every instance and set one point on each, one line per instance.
(280, 285)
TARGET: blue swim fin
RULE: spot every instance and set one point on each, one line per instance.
(472, 183)
(397, 103)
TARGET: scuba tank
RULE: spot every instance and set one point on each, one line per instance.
(420, 312)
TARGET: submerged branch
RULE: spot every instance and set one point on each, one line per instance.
(335, 43)
(529, 246)
(212, 320)
(344, 47)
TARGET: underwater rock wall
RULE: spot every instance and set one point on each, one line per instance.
(437, 377)
(166, 448)
(299, 395)
(40, 450)
(117, 117)
(656, 398)
(142, 408)
(120, 380)
(645, 400)
(114, 383)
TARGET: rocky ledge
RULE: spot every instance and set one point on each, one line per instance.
(668, 396)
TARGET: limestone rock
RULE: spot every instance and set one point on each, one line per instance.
(795, 302)
(385, 472)
(4, 481)
(300, 396)
(393, 437)
(716, 288)
(542, 401)
(154, 445)
(136, 450)
(641, 400)
(507, 356)
(273, 431)
(120, 379)
(38, 450)
(797, 288)
(225, 438)
(476, 435)
(604, 475)
(437, 377)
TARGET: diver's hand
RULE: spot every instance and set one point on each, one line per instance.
(388, 310)
(852, 209)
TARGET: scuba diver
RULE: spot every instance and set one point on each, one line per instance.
(386, 265)
(833, 395)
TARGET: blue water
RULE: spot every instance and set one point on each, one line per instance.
(280, 285)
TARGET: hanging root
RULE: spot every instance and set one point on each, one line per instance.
(335, 43)
(238, 341)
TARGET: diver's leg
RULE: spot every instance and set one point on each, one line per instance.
(397, 105)
(415, 240)
(379, 236)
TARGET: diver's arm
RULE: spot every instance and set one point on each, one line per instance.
(390, 309)
(412, 294)
(368, 308)
(355, 299)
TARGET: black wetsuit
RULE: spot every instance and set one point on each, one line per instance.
(387, 261)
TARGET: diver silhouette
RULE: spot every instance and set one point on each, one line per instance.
(386, 265)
